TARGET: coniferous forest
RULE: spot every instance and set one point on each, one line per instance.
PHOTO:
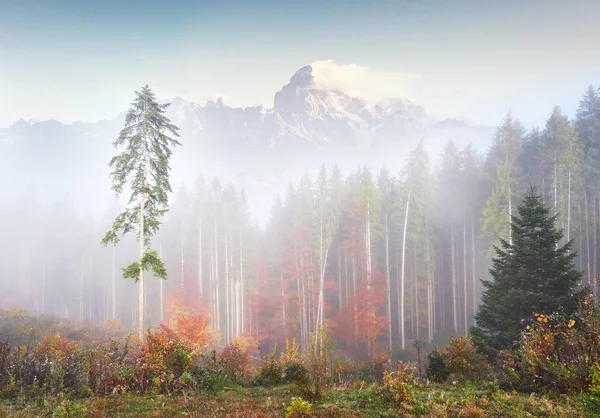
(467, 258)
(384, 258)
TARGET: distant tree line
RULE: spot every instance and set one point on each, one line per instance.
(383, 259)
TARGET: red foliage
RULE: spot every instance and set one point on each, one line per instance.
(358, 322)
(186, 321)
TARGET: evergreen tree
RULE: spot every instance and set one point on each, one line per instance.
(530, 275)
(143, 167)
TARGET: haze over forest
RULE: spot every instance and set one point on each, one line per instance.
(332, 202)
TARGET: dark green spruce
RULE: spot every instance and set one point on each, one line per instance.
(143, 168)
(533, 274)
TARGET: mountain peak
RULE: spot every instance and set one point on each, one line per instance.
(22, 122)
(303, 77)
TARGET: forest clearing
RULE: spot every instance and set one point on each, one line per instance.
(369, 237)
(531, 348)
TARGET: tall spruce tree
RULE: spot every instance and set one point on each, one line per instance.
(143, 167)
(531, 274)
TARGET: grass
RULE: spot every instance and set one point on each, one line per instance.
(360, 400)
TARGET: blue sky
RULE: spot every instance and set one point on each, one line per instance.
(81, 60)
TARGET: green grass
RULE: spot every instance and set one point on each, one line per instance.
(361, 400)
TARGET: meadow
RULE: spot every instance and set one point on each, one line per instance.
(56, 368)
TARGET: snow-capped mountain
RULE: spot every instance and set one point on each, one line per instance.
(257, 148)
(304, 111)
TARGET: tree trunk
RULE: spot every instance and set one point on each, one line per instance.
(242, 277)
(401, 302)
(339, 260)
(114, 285)
(282, 297)
(587, 238)
(200, 294)
(216, 280)
(454, 304)
(595, 243)
(319, 322)
(81, 316)
(430, 286)
(141, 280)
(509, 214)
(595, 266)
(354, 307)
(466, 325)
(227, 290)
(369, 269)
(389, 288)
(162, 294)
(473, 275)
(569, 208)
(211, 283)
(181, 259)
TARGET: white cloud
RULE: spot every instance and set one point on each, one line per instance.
(441, 94)
(369, 83)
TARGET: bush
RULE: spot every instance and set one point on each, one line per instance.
(20, 328)
(437, 369)
(209, 374)
(159, 362)
(509, 371)
(318, 359)
(235, 363)
(375, 367)
(271, 371)
(463, 360)
(396, 384)
(298, 408)
(295, 372)
(561, 354)
(293, 369)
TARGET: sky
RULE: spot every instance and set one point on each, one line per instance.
(81, 60)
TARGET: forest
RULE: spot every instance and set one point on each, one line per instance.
(400, 271)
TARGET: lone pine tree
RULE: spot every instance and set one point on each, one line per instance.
(530, 274)
(143, 167)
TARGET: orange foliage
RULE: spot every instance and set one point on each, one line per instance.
(56, 346)
(247, 344)
(186, 320)
(193, 328)
(463, 358)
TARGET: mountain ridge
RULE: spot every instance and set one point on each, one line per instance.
(261, 149)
